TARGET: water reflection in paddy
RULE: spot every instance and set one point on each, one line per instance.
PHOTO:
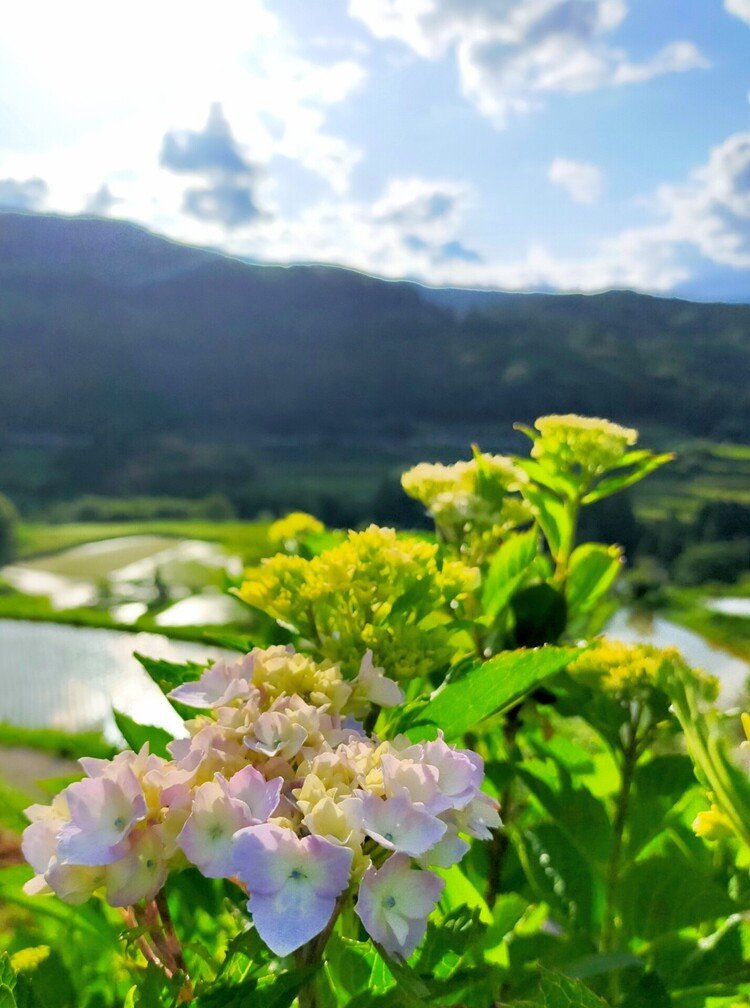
(71, 677)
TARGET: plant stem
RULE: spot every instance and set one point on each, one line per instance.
(611, 924)
(562, 560)
(172, 944)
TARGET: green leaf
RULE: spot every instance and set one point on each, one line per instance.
(7, 973)
(592, 572)
(349, 966)
(552, 515)
(507, 571)
(545, 476)
(167, 675)
(230, 641)
(559, 991)
(271, 991)
(46, 980)
(136, 735)
(558, 874)
(597, 964)
(459, 931)
(656, 897)
(7, 1000)
(409, 983)
(461, 891)
(492, 687)
(612, 484)
(70, 745)
(581, 816)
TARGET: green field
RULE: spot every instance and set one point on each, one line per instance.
(248, 540)
(702, 471)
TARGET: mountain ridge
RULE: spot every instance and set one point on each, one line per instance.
(441, 293)
(193, 340)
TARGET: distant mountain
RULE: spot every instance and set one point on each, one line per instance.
(108, 331)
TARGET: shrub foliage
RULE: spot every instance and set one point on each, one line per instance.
(327, 834)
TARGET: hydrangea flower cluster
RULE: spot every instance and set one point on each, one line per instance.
(278, 787)
(375, 590)
(474, 504)
(633, 671)
(576, 444)
(287, 532)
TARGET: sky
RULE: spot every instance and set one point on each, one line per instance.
(515, 144)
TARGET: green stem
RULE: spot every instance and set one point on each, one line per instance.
(612, 922)
(562, 559)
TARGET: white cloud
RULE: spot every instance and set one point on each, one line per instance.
(583, 182)
(739, 7)
(411, 229)
(101, 90)
(510, 53)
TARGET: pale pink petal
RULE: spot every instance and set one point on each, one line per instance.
(251, 787)
(400, 825)
(394, 902)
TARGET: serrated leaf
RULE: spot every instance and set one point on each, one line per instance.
(559, 991)
(492, 687)
(136, 735)
(271, 991)
(168, 674)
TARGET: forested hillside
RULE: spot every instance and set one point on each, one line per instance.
(121, 351)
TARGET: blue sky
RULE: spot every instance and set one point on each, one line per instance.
(521, 144)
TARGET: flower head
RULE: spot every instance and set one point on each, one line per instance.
(282, 792)
(475, 504)
(290, 530)
(349, 599)
(588, 445)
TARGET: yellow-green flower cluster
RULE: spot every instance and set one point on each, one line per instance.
(474, 504)
(376, 590)
(581, 444)
(279, 671)
(287, 531)
(631, 670)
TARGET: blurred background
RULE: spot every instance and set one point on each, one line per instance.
(262, 256)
